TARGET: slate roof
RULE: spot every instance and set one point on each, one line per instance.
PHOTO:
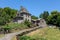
(23, 11)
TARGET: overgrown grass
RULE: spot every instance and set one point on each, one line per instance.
(11, 27)
(14, 26)
(43, 34)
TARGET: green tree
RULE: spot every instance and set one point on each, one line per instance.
(58, 20)
(6, 15)
(34, 17)
(54, 18)
(44, 15)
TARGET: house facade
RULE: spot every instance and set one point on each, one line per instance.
(22, 15)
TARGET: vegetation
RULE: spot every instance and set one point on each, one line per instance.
(30, 38)
(15, 26)
(53, 18)
(44, 15)
(27, 23)
(34, 17)
(43, 34)
(6, 15)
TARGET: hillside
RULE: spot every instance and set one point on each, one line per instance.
(43, 34)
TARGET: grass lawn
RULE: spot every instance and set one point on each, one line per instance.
(43, 34)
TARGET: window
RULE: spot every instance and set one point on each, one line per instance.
(26, 15)
(21, 14)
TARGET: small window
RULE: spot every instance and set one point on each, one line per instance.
(21, 14)
(26, 15)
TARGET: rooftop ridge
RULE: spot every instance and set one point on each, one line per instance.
(23, 10)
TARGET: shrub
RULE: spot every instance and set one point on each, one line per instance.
(14, 26)
(30, 38)
(27, 23)
(25, 38)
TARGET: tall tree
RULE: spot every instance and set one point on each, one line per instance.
(6, 15)
(44, 15)
(54, 18)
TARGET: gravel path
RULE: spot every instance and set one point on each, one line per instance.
(11, 35)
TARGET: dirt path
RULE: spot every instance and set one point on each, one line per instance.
(11, 35)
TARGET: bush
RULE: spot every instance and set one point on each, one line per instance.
(14, 26)
(30, 38)
(25, 38)
(27, 23)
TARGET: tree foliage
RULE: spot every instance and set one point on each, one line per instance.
(6, 15)
(44, 15)
(34, 17)
(53, 18)
(27, 23)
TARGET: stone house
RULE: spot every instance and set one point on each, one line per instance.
(22, 15)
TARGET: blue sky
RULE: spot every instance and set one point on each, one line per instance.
(35, 7)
